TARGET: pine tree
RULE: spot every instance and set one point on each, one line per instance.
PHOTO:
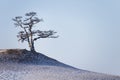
(28, 34)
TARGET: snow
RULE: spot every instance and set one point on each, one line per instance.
(15, 71)
(47, 69)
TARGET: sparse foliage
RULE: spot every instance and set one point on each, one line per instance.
(27, 33)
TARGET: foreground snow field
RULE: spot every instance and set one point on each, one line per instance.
(14, 71)
(47, 69)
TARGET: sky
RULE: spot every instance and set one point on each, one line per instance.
(89, 31)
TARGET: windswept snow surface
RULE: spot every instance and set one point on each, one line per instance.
(15, 71)
(49, 69)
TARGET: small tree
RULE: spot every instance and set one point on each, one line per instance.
(27, 33)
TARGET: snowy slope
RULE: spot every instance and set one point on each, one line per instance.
(14, 66)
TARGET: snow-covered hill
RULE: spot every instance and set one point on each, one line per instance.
(18, 64)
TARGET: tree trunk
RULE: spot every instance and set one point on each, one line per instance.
(32, 47)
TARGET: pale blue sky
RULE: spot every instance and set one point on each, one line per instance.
(89, 31)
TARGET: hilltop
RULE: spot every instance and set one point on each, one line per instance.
(21, 64)
(27, 57)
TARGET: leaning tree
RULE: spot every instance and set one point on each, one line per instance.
(27, 33)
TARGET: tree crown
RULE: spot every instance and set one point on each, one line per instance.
(27, 33)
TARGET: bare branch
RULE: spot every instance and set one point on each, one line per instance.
(45, 34)
(28, 34)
